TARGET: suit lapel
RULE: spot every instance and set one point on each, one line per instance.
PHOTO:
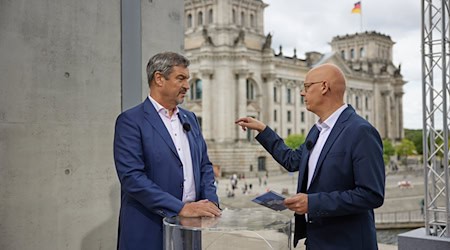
(337, 129)
(312, 137)
(155, 121)
(190, 135)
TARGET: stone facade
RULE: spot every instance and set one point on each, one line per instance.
(235, 73)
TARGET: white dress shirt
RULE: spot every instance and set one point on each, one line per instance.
(181, 142)
(325, 129)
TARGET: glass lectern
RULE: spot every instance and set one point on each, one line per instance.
(247, 228)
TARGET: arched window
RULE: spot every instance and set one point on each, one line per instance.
(250, 90)
(343, 54)
(252, 21)
(210, 16)
(242, 18)
(275, 99)
(200, 18)
(352, 54)
(189, 21)
(362, 53)
(288, 96)
(234, 16)
(196, 90)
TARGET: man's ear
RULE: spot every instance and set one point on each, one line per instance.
(325, 87)
(159, 78)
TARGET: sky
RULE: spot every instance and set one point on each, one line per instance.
(310, 25)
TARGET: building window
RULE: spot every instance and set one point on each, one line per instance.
(289, 116)
(250, 90)
(200, 121)
(275, 94)
(367, 117)
(242, 18)
(357, 102)
(302, 116)
(252, 20)
(249, 135)
(210, 16)
(289, 131)
(302, 131)
(275, 115)
(352, 54)
(302, 99)
(343, 54)
(362, 53)
(233, 14)
(262, 163)
(367, 103)
(200, 18)
(196, 90)
(288, 96)
(189, 21)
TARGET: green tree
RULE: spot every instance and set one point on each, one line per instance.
(415, 135)
(405, 148)
(294, 140)
(388, 150)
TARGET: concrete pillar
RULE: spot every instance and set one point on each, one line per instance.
(60, 95)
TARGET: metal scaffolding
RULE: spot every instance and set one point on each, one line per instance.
(436, 118)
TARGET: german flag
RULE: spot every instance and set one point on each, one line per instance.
(357, 8)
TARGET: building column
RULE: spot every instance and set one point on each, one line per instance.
(282, 111)
(241, 97)
(388, 117)
(207, 103)
(297, 109)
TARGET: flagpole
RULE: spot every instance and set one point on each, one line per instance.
(360, 18)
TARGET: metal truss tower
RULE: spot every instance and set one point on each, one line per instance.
(436, 117)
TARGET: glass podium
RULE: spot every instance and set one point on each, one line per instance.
(247, 228)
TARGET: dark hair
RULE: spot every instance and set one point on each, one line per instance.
(164, 62)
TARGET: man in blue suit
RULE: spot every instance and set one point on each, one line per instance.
(341, 169)
(161, 158)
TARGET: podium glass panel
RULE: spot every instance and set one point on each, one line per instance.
(247, 228)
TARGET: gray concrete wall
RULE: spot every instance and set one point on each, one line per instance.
(60, 92)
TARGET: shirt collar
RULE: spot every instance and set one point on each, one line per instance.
(330, 121)
(161, 110)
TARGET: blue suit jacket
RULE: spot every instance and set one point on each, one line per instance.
(347, 185)
(151, 174)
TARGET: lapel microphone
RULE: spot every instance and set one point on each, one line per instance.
(309, 145)
(187, 127)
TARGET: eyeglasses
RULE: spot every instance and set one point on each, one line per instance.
(306, 85)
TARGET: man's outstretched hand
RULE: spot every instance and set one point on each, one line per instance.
(250, 123)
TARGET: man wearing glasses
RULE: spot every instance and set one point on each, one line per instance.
(341, 169)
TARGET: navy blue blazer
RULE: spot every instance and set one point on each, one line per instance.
(348, 183)
(151, 174)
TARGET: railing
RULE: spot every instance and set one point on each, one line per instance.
(399, 219)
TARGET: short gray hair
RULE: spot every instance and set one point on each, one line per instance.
(164, 62)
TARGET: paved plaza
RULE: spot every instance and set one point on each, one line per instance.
(286, 183)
